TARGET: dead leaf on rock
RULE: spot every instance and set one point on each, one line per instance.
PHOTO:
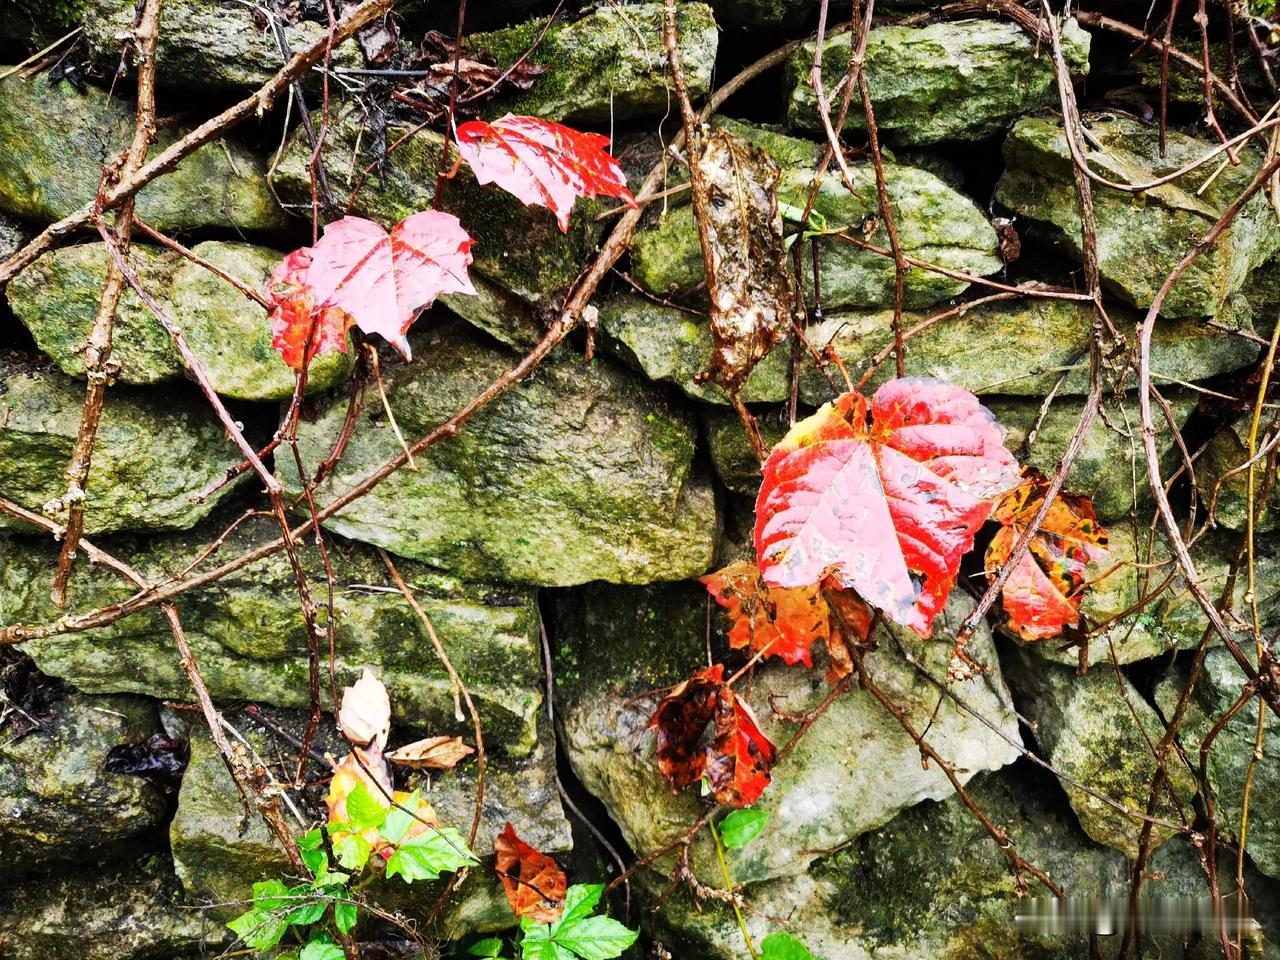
(433, 753)
(365, 715)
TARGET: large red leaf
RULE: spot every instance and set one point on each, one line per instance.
(358, 273)
(886, 508)
(1042, 594)
(533, 882)
(542, 163)
(737, 758)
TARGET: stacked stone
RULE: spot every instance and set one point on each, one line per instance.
(596, 492)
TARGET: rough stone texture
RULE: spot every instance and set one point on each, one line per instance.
(1227, 453)
(518, 250)
(217, 863)
(53, 142)
(962, 80)
(1231, 753)
(731, 452)
(147, 461)
(1023, 349)
(935, 224)
(1110, 467)
(12, 236)
(582, 473)
(852, 772)
(113, 912)
(1097, 730)
(249, 639)
(1140, 239)
(931, 885)
(57, 803)
(206, 44)
(57, 297)
(674, 346)
(609, 65)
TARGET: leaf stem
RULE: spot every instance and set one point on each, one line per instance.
(728, 885)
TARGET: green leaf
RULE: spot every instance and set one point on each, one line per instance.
(269, 895)
(353, 851)
(345, 916)
(536, 943)
(257, 929)
(596, 938)
(430, 854)
(317, 861)
(322, 948)
(579, 901)
(399, 821)
(489, 947)
(309, 910)
(741, 827)
(311, 840)
(783, 946)
(363, 808)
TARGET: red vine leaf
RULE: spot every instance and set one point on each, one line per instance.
(542, 163)
(736, 760)
(1042, 595)
(534, 883)
(886, 508)
(358, 273)
(741, 756)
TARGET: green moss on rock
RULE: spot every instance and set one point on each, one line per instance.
(580, 473)
(955, 80)
(148, 459)
(54, 140)
(1141, 237)
(57, 297)
(610, 64)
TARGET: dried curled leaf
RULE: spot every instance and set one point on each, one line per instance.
(542, 163)
(748, 275)
(534, 883)
(785, 622)
(738, 756)
(1042, 595)
(365, 714)
(888, 507)
(433, 753)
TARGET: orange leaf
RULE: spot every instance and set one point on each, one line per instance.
(1042, 595)
(534, 883)
(433, 753)
(783, 622)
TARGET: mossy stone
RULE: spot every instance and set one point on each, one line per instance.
(672, 345)
(731, 454)
(954, 80)
(1141, 237)
(53, 141)
(853, 771)
(206, 44)
(935, 223)
(60, 806)
(579, 473)
(57, 297)
(250, 641)
(1097, 730)
(1223, 478)
(1024, 349)
(608, 65)
(148, 459)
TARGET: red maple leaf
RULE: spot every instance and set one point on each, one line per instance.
(737, 759)
(359, 273)
(1042, 595)
(885, 508)
(542, 163)
(534, 883)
